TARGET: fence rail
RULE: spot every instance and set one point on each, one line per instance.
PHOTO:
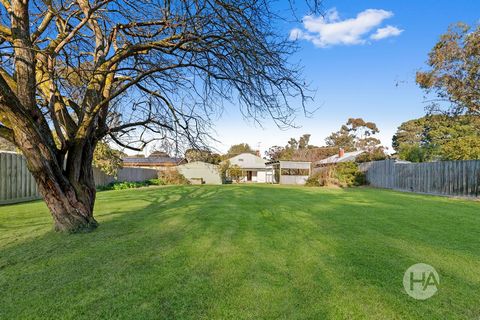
(18, 185)
(453, 178)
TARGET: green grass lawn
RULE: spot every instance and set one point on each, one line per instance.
(243, 252)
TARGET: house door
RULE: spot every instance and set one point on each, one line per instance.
(249, 175)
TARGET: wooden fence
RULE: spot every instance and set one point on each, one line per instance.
(16, 182)
(18, 185)
(452, 178)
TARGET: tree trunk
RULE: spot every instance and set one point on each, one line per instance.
(68, 192)
(70, 214)
(70, 203)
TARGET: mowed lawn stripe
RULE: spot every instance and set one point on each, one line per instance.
(243, 252)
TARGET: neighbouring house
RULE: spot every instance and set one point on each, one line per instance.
(252, 166)
(342, 156)
(158, 163)
(198, 172)
(288, 171)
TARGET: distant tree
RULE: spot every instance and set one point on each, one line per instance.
(409, 133)
(237, 149)
(462, 148)
(341, 139)
(303, 141)
(107, 159)
(202, 155)
(413, 153)
(274, 153)
(358, 134)
(294, 149)
(438, 137)
(235, 172)
(316, 153)
(224, 166)
(375, 154)
(453, 75)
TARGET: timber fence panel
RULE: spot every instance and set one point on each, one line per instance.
(16, 182)
(452, 178)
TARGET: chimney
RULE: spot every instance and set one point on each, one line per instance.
(341, 152)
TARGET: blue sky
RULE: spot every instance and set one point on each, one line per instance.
(358, 76)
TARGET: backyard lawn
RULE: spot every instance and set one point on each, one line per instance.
(243, 252)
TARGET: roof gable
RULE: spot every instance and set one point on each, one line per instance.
(248, 161)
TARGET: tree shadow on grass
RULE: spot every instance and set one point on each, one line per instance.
(220, 252)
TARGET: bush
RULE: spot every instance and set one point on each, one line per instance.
(123, 185)
(172, 177)
(156, 182)
(344, 174)
(348, 174)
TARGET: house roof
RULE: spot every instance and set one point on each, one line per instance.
(151, 161)
(199, 164)
(347, 157)
(248, 161)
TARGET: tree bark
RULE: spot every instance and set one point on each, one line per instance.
(70, 195)
(70, 212)
(70, 202)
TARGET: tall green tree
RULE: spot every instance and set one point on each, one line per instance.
(202, 155)
(357, 134)
(342, 138)
(237, 149)
(453, 72)
(107, 159)
(275, 153)
(295, 149)
(438, 137)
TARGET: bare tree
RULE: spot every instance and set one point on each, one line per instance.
(75, 72)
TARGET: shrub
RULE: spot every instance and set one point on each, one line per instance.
(344, 174)
(235, 173)
(313, 181)
(156, 182)
(172, 177)
(123, 185)
(347, 174)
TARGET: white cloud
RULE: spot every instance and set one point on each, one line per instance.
(388, 31)
(330, 30)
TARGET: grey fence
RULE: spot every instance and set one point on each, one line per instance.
(16, 182)
(18, 185)
(136, 174)
(452, 178)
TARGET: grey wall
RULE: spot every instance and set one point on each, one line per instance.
(194, 170)
(284, 179)
(453, 178)
(136, 174)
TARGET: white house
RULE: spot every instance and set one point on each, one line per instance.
(253, 167)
